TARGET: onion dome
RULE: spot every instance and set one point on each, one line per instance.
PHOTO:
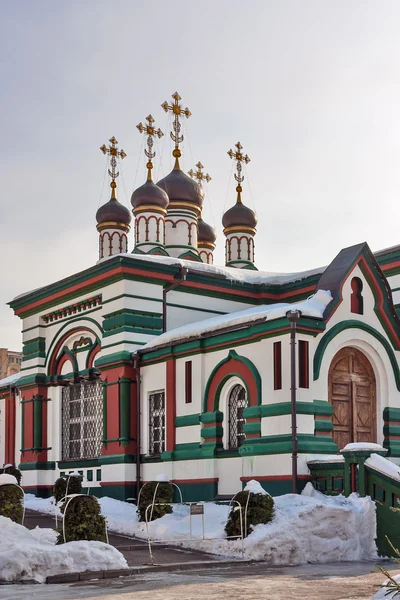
(239, 216)
(149, 195)
(113, 213)
(181, 188)
(206, 233)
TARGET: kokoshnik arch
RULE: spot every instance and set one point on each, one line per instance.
(154, 361)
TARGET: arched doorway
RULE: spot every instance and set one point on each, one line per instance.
(352, 393)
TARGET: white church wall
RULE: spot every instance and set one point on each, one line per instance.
(188, 435)
(394, 281)
(183, 408)
(153, 379)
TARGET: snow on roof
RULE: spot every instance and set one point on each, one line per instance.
(233, 274)
(10, 380)
(312, 307)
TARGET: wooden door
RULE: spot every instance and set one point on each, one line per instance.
(353, 396)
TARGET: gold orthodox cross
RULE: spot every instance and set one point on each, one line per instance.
(239, 157)
(113, 151)
(199, 175)
(178, 111)
(149, 130)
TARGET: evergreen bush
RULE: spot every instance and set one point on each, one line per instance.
(82, 520)
(11, 502)
(260, 509)
(164, 495)
(74, 486)
(12, 470)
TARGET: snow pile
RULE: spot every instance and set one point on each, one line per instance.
(363, 446)
(42, 505)
(121, 516)
(255, 487)
(312, 307)
(383, 465)
(32, 555)
(6, 479)
(307, 528)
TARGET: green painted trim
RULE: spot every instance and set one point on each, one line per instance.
(37, 466)
(321, 425)
(232, 355)
(187, 420)
(35, 346)
(111, 359)
(212, 432)
(389, 430)
(114, 459)
(316, 407)
(212, 417)
(130, 329)
(124, 410)
(282, 444)
(78, 464)
(352, 324)
(391, 414)
(252, 428)
(79, 320)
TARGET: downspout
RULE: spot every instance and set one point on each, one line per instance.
(293, 316)
(181, 276)
(136, 363)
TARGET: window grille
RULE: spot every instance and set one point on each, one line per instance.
(82, 420)
(156, 423)
(236, 404)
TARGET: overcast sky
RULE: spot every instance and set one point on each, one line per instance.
(310, 87)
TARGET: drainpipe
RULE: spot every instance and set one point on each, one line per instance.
(181, 276)
(293, 316)
(136, 363)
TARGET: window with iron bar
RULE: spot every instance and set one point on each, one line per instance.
(82, 420)
(156, 423)
(236, 404)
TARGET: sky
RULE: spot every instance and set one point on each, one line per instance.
(311, 88)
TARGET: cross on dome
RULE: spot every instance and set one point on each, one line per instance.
(176, 136)
(239, 157)
(149, 130)
(113, 151)
(199, 175)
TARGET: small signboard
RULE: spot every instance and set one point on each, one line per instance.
(197, 509)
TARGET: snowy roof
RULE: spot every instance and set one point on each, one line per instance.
(312, 307)
(10, 380)
(233, 274)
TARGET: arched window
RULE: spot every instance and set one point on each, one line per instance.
(356, 300)
(236, 404)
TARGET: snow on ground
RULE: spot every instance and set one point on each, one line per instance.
(312, 307)
(33, 555)
(42, 505)
(383, 465)
(382, 594)
(306, 528)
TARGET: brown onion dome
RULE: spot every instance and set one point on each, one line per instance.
(113, 212)
(181, 188)
(206, 233)
(149, 194)
(239, 216)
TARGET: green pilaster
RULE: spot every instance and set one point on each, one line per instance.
(37, 423)
(124, 410)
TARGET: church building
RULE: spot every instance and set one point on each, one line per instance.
(156, 361)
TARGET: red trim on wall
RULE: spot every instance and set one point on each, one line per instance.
(62, 362)
(170, 366)
(232, 367)
(93, 355)
(10, 422)
(53, 360)
(200, 481)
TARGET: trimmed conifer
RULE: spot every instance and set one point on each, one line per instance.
(260, 509)
(164, 495)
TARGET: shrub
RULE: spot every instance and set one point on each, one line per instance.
(259, 510)
(11, 502)
(12, 470)
(74, 486)
(82, 520)
(164, 494)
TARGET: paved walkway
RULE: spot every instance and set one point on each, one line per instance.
(335, 581)
(136, 551)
